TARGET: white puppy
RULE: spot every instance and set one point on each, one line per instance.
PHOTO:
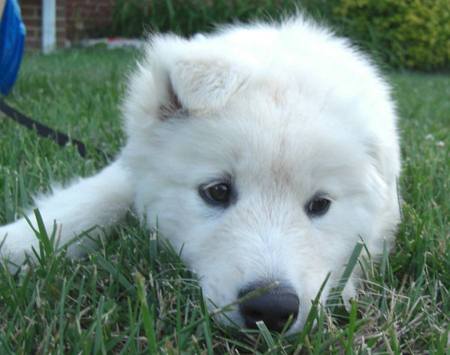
(265, 152)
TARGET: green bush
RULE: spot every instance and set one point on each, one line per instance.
(412, 34)
(134, 17)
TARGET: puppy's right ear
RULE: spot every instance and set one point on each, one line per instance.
(171, 105)
(150, 96)
(198, 84)
(204, 81)
(180, 75)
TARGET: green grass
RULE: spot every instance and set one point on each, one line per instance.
(134, 295)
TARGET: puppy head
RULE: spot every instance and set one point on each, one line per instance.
(264, 170)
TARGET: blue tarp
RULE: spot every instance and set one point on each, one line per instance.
(12, 39)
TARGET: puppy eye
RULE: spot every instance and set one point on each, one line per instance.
(318, 206)
(216, 193)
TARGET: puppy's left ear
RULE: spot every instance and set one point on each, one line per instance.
(386, 160)
(205, 84)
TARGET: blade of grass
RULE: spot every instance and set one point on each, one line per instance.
(147, 315)
(337, 291)
(206, 326)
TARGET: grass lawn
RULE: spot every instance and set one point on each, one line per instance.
(134, 295)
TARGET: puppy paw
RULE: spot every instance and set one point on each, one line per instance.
(17, 240)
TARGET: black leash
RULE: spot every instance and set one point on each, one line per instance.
(44, 131)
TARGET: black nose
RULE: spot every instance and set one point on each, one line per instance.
(272, 305)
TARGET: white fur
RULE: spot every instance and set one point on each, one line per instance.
(286, 110)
